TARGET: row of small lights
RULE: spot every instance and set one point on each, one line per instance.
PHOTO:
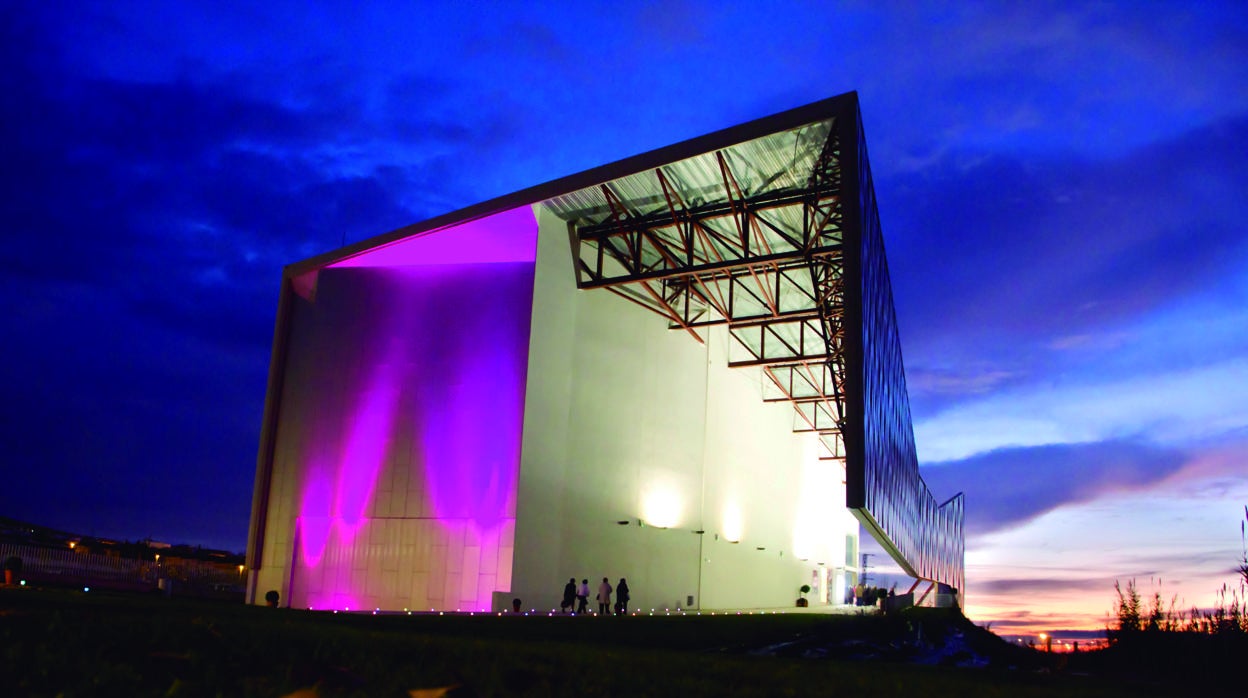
(74, 544)
(552, 612)
(533, 611)
(1044, 637)
(623, 522)
(666, 611)
(23, 583)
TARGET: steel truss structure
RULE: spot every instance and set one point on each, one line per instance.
(711, 241)
(777, 238)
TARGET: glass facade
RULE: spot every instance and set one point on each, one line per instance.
(890, 497)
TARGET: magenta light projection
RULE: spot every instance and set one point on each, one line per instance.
(494, 239)
(405, 411)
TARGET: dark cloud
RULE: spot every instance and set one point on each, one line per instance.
(147, 225)
(994, 247)
(1023, 587)
(1012, 486)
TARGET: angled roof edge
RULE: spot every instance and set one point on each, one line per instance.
(788, 119)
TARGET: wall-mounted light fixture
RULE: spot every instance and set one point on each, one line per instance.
(761, 548)
(699, 532)
(623, 522)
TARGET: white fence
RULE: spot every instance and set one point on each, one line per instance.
(64, 567)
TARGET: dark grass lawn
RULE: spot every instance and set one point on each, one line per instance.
(62, 643)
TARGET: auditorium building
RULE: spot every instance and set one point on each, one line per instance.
(682, 368)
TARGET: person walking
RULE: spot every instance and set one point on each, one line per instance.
(621, 598)
(569, 596)
(582, 597)
(604, 597)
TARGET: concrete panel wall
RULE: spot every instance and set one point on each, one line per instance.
(398, 438)
(627, 421)
(400, 479)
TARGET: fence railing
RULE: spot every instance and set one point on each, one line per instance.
(80, 568)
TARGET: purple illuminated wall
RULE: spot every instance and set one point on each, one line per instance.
(509, 236)
(400, 428)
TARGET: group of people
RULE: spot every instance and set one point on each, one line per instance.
(579, 597)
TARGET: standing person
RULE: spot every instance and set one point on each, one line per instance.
(604, 597)
(582, 597)
(569, 595)
(621, 598)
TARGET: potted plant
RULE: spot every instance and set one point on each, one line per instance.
(12, 568)
(802, 602)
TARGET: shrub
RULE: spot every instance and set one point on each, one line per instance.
(1228, 615)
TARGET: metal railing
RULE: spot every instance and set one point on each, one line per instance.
(65, 567)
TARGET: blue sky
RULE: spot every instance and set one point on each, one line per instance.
(1062, 189)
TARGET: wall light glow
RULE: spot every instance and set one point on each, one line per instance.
(471, 432)
(369, 431)
(734, 522)
(312, 528)
(814, 531)
(661, 507)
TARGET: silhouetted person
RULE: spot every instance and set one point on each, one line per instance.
(271, 598)
(604, 597)
(515, 605)
(582, 597)
(621, 598)
(569, 596)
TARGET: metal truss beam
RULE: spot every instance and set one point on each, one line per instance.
(766, 263)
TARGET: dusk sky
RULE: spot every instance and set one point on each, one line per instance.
(1063, 191)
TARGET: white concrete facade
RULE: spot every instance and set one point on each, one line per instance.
(627, 421)
(462, 411)
(623, 421)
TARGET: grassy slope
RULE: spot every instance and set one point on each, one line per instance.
(74, 644)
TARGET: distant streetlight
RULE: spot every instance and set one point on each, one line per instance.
(1047, 641)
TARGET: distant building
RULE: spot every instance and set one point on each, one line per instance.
(681, 368)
